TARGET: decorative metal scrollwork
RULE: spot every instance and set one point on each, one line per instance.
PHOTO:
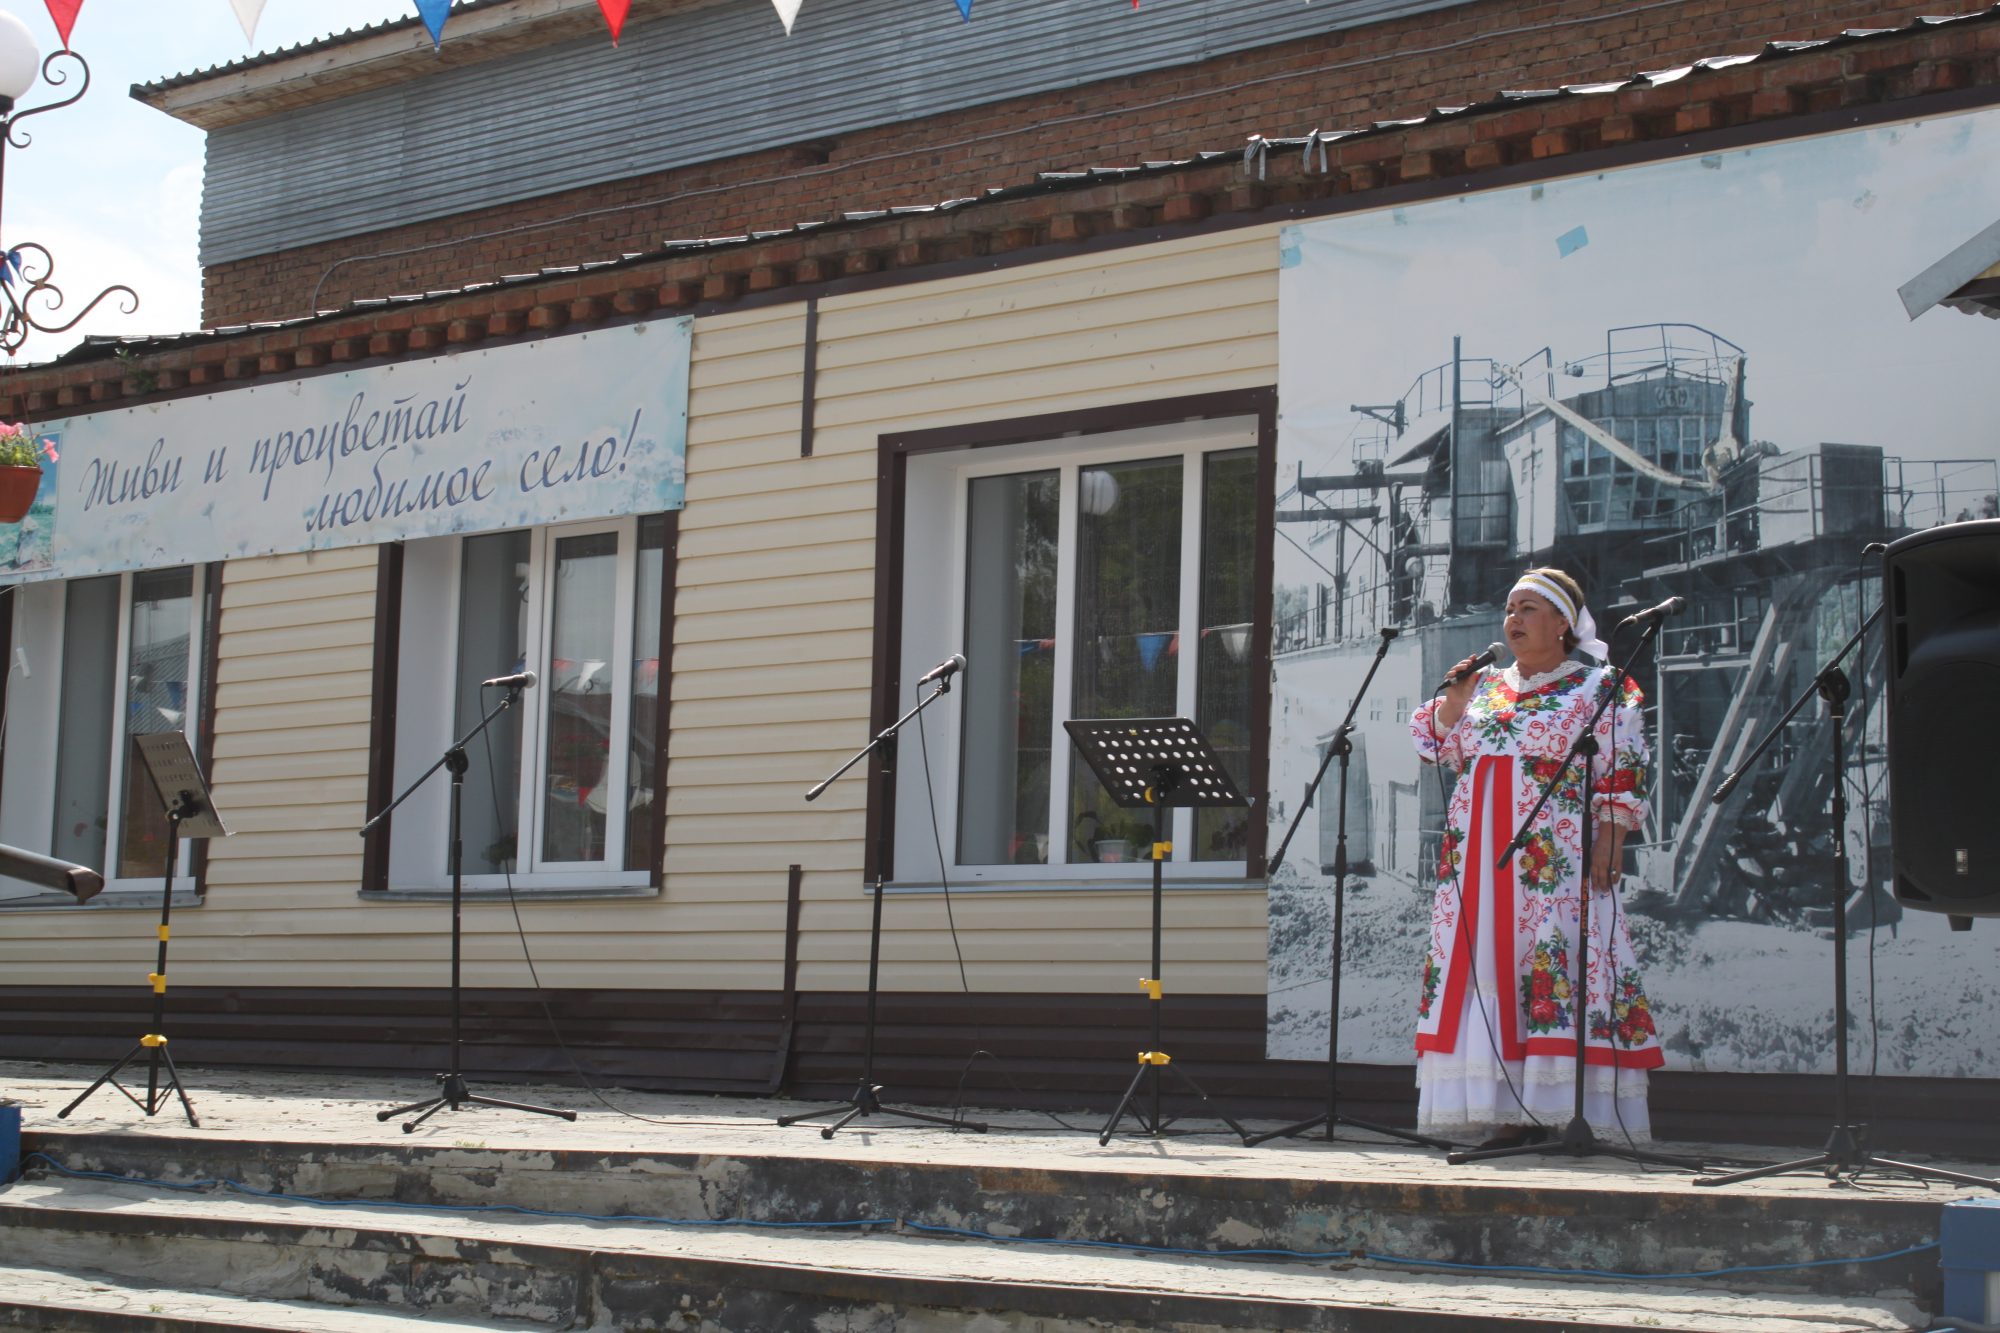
(29, 298)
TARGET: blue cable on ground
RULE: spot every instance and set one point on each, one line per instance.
(968, 1233)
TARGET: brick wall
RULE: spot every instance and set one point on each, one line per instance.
(1341, 81)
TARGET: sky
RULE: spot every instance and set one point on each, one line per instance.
(112, 187)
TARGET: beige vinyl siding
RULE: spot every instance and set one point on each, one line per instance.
(770, 685)
(776, 593)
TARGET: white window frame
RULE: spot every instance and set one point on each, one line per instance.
(433, 575)
(936, 514)
(33, 739)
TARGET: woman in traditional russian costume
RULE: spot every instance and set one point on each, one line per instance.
(1496, 1009)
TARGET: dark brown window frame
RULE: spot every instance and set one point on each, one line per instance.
(387, 677)
(893, 453)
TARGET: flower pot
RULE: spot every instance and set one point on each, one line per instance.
(17, 492)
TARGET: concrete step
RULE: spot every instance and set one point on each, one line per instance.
(570, 1272)
(45, 1300)
(1203, 1196)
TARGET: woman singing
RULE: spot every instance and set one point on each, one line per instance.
(1497, 1013)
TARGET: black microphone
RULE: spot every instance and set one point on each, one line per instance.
(520, 680)
(1673, 606)
(944, 670)
(1479, 663)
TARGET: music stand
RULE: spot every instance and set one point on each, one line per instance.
(184, 796)
(452, 1089)
(1157, 762)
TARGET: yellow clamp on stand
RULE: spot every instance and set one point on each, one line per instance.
(1155, 1058)
(152, 1039)
(1150, 986)
(159, 980)
(163, 933)
(1162, 850)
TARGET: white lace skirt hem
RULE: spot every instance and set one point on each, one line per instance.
(1473, 1089)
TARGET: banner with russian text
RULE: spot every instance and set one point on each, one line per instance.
(585, 426)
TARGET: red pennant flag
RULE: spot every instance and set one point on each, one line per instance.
(614, 14)
(64, 13)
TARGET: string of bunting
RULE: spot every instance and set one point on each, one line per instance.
(435, 12)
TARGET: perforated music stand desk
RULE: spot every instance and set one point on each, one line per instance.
(190, 814)
(1157, 763)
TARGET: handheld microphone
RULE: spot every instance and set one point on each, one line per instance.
(1673, 606)
(1479, 663)
(520, 680)
(944, 670)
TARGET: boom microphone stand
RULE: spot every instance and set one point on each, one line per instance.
(452, 1090)
(1578, 1139)
(1343, 747)
(1847, 1153)
(866, 1097)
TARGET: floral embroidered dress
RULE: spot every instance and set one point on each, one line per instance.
(1496, 1012)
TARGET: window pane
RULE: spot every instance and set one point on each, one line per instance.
(1127, 657)
(492, 641)
(646, 685)
(83, 751)
(1228, 607)
(1010, 600)
(156, 699)
(581, 683)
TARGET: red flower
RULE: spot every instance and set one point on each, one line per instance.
(1543, 1012)
(1544, 985)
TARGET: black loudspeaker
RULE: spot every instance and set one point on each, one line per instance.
(1942, 594)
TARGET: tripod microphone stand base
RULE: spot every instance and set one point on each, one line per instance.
(156, 1092)
(1846, 1157)
(1331, 1122)
(1155, 1125)
(865, 1101)
(452, 1094)
(1578, 1140)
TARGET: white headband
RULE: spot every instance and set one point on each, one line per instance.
(1575, 615)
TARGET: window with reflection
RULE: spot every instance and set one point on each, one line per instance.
(560, 788)
(1088, 578)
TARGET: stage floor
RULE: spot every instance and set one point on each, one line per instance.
(1177, 1217)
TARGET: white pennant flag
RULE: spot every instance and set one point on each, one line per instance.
(788, 10)
(247, 13)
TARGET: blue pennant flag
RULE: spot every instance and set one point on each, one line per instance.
(965, 10)
(434, 13)
(10, 267)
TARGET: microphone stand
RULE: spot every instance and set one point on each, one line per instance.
(1342, 747)
(866, 1097)
(1847, 1153)
(452, 1089)
(1578, 1139)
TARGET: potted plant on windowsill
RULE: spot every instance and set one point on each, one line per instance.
(20, 469)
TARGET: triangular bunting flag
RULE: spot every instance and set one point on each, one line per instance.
(614, 15)
(433, 13)
(788, 10)
(64, 13)
(965, 10)
(247, 14)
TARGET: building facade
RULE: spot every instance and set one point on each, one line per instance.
(889, 414)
